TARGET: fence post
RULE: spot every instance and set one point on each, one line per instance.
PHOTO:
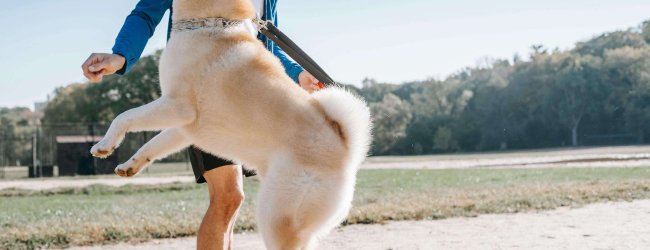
(34, 172)
(2, 154)
(38, 151)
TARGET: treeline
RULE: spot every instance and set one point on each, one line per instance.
(596, 93)
(15, 136)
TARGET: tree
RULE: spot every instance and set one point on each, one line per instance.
(375, 92)
(15, 139)
(629, 76)
(576, 90)
(612, 40)
(645, 31)
(443, 140)
(100, 103)
(391, 117)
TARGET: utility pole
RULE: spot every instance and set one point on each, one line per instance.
(38, 152)
(34, 163)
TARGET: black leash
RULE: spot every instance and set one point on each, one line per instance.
(270, 31)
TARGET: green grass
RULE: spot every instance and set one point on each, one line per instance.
(102, 215)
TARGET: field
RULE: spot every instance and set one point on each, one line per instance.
(104, 215)
(619, 156)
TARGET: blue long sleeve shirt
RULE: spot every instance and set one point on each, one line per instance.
(141, 24)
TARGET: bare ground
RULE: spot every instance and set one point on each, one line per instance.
(620, 225)
(622, 156)
(51, 183)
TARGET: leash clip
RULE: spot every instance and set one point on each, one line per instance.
(261, 24)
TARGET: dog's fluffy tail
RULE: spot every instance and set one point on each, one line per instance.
(353, 115)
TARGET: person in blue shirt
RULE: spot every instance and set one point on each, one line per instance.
(223, 177)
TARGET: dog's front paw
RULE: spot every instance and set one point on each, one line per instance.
(101, 150)
(130, 167)
(126, 170)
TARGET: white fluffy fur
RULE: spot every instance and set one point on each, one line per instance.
(350, 110)
(223, 92)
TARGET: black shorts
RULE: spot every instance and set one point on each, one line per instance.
(202, 162)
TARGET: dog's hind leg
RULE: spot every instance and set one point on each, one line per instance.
(283, 217)
(297, 206)
(277, 222)
(276, 205)
(160, 114)
(290, 206)
(167, 142)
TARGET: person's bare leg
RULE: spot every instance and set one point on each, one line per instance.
(225, 185)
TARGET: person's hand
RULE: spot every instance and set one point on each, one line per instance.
(100, 64)
(308, 82)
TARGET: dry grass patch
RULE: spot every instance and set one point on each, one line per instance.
(103, 215)
(469, 202)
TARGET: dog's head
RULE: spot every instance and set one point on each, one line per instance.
(228, 9)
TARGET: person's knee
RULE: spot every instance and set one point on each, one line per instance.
(226, 189)
(230, 199)
(225, 206)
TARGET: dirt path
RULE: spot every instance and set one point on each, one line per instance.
(624, 156)
(622, 225)
(50, 183)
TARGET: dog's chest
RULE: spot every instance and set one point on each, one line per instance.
(200, 54)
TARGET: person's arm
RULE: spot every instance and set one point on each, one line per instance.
(138, 27)
(299, 75)
(290, 67)
(130, 42)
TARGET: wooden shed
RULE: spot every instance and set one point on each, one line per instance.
(73, 156)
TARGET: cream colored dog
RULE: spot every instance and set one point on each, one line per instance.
(223, 92)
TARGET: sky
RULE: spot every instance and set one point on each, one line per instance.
(44, 42)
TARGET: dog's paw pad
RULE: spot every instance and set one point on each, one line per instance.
(125, 172)
(101, 152)
(120, 172)
(127, 169)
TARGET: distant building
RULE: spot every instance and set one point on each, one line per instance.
(39, 112)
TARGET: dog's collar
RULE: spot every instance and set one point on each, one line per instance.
(205, 23)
